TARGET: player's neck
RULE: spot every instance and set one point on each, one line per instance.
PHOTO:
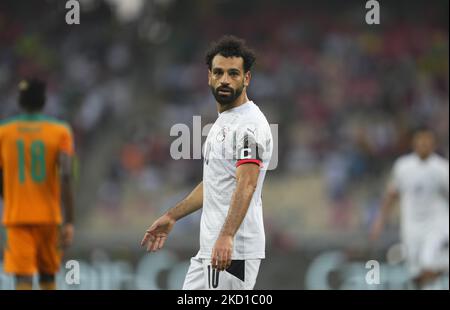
(424, 157)
(31, 112)
(239, 101)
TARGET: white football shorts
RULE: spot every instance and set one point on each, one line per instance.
(241, 275)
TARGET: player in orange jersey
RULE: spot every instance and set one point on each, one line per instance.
(35, 162)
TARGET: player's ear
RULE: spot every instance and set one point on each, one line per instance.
(247, 77)
(209, 77)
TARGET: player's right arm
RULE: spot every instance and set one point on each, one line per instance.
(390, 197)
(389, 200)
(156, 234)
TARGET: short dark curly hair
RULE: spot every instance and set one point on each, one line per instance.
(231, 46)
(422, 128)
(32, 94)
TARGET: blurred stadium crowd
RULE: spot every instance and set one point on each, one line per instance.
(344, 95)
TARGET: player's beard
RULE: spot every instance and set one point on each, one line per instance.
(230, 97)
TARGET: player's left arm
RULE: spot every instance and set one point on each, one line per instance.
(1, 175)
(65, 163)
(246, 181)
(66, 177)
(1, 183)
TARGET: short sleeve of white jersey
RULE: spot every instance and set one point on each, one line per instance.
(250, 144)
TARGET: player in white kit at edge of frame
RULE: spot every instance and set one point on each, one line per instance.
(421, 181)
(237, 153)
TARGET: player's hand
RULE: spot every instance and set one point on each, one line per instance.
(68, 231)
(221, 253)
(156, 234)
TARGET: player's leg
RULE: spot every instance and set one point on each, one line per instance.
(426, 278)
(47, 281)
(20, 255)
(23, 282)
(195, 278)
(434, 259)
(412, 245)
(49, 255)
(241, 275)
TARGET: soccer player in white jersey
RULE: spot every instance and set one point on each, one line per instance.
(237, 152)
(421, 181)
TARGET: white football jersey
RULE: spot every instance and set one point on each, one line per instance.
(239, 135)
(423, 186)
